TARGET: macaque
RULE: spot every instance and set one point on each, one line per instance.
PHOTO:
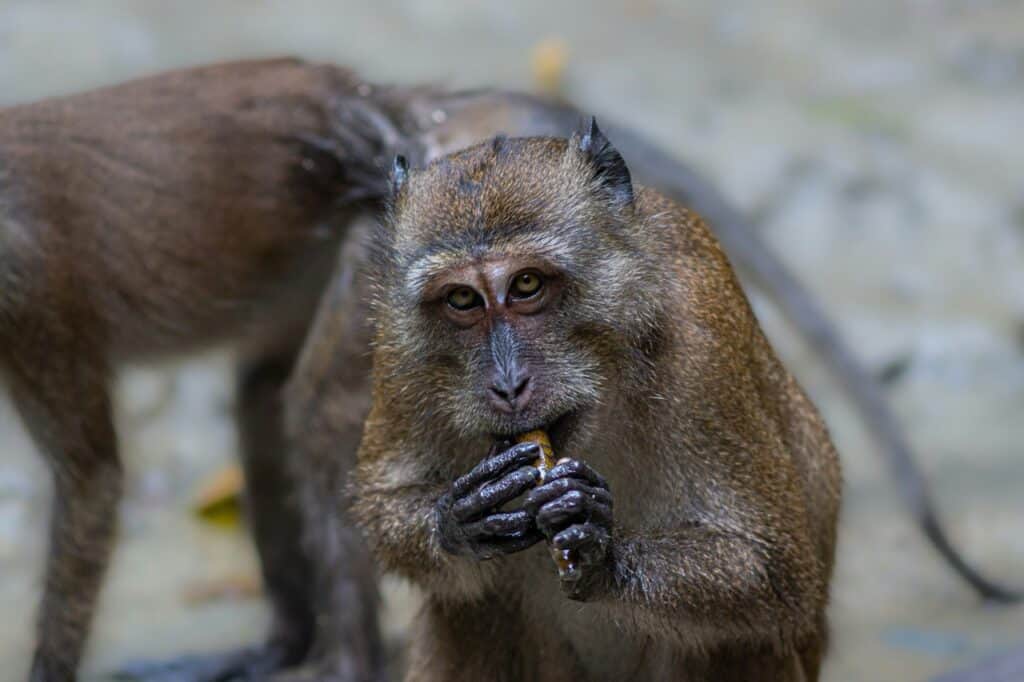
(527, 284)
(188, 209)
(447, 122)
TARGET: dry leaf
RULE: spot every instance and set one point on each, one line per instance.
(219, 500)
(548, 60)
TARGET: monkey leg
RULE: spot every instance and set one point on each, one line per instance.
(346, 645)
(274, 515)
(327, 402)
(316, 568)
(275, 523)
(64, 401)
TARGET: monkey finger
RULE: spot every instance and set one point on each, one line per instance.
(557, 513)
(571, 507)
(509, 486)
(574, 468)
(500, 524)
(584, 539)
(555, 523)
(552, 490)
(495, 494)
(495, 465)
(509, 545)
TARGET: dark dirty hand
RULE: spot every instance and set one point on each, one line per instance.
(469, 520)
(573, 510)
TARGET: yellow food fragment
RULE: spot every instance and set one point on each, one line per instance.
(564, 559)
(547, 453)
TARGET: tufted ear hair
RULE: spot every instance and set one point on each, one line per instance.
(399, 173)
(610, 171)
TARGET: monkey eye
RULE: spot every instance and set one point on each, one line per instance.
(525, 285)
(463, 298)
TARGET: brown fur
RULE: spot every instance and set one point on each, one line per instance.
(444, 122)
(166, 214)
(725, 482)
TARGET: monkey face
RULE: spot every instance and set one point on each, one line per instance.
(503, 320)
(510, 287)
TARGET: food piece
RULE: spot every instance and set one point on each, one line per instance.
(547, 453)
(563, 557)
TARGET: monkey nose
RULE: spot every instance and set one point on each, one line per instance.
(510, 394)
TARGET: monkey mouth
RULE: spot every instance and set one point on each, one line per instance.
(559, 430)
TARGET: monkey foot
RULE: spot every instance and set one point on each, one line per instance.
(251, 663)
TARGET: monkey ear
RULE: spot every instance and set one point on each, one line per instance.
(399, 173)
(610, 169)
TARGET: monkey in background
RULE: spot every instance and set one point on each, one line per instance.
(523, 284)
(171, 213)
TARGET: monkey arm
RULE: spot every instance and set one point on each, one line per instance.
(400, 525)
(682, 578)
(398, 513)
(727, 584)
(469, 517)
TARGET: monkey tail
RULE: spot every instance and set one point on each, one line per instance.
(736, 232)
(8, 276)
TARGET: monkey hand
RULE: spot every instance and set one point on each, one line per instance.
(573, 509)
(468, 516)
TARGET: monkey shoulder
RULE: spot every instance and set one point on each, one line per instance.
(678, 231)
(703, 286)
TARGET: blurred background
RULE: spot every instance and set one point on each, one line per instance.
(878, 146)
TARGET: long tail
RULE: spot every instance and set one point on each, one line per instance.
(741, 241)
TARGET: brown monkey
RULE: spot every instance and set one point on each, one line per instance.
(526, 284)
(327, 402)
(182, 210)
(445, 122)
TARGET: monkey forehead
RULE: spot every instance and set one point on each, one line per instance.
(518, 198)
(497, 185)
(546, 249)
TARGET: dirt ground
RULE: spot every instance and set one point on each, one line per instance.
(878, 144)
